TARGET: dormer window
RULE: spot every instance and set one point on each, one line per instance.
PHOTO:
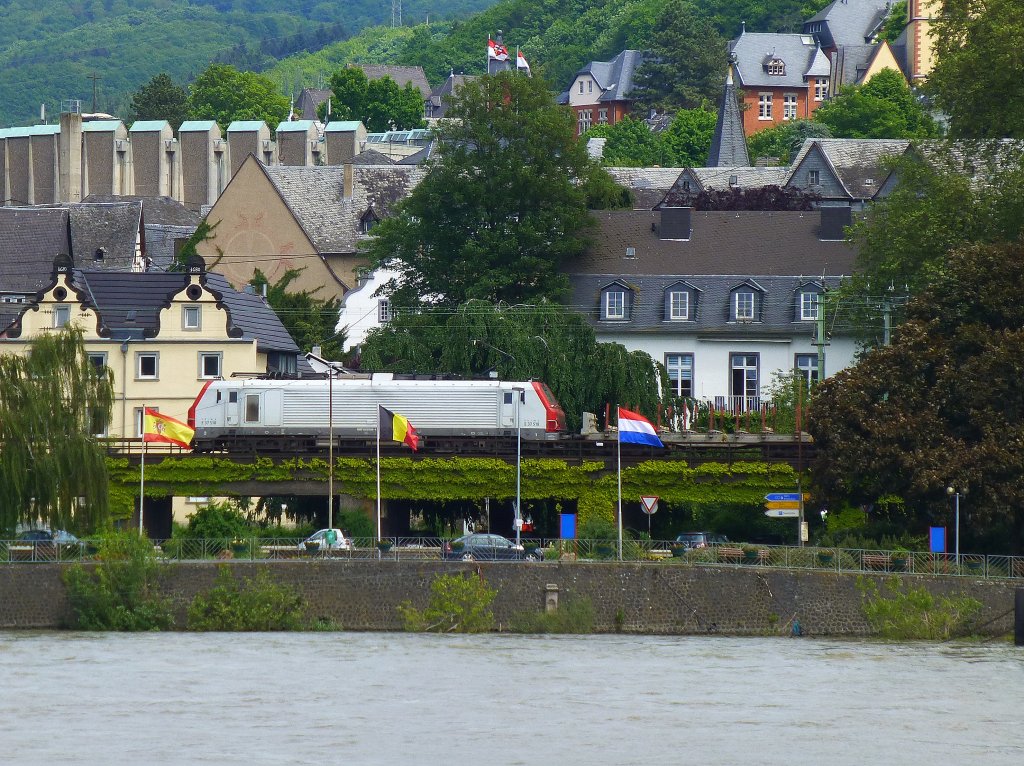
(743, 306)
(368, 221)
(679, 305)
(776, 68)
(808, 305)
(745, 303)
(614, 305)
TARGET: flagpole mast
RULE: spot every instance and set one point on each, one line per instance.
(142, 470)
(378, 473)
(330, 446)
(618, 444)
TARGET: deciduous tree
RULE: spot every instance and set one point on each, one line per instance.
(224, 94)
(311, 321)
(52, 401)
(160, 99)
(883, 107)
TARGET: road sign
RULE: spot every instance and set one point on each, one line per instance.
(783, 513)
(793, 497)
(793, 505)
(650, 504)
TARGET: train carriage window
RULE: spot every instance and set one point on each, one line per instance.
(233, 397)
(252, 408)
(508, 397)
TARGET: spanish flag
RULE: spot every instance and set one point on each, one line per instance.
(397, 428)
(161, 428)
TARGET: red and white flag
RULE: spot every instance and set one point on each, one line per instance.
(521, 64)
(496, 51)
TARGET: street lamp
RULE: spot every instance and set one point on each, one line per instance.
(955, 494)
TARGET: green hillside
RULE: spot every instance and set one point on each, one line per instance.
(556, 36)
(49, 48)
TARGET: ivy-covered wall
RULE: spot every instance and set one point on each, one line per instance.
(592, 484)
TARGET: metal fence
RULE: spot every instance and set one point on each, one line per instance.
(654, 552)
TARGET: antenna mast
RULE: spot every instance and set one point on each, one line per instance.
(396, 13)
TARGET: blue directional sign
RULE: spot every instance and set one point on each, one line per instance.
(792, 497)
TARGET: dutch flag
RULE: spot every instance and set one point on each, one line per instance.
(634, 428)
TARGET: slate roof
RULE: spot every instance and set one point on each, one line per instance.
(850, 22)
(751, 49)
(309, 100)
(721, 243)
(615, 77)
(129, 305)
(855, 161)
(155, 210)
(779, 251)
(729, 143)
(649, 185)
(401, 75)
(30, 238)
(852, 62)
(439, 96)
(372, 157)
(315, 195)
(113, 227)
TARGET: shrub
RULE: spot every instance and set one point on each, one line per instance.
(575, 616)
(255, 603)
(458, 604)
(914, 613)
(217, 521)
(121, 592)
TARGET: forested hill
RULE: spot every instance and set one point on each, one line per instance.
(557, 36)
(49, 48)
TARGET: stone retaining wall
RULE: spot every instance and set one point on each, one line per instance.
(643, 598)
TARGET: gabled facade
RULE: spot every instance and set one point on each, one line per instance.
(727, 307)
(162, 335)
(600, 92)
(844, 171)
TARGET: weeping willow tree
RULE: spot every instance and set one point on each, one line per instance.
(542, 341)
(51, 468)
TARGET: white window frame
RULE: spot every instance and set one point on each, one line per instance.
(679, 305)
(743, 303)
(789, 106)
(614, 309)
(764, 106)
(776, 68)
(679, 368)
(61, 316)
(602, 116)
(820, 89)
(383, 310)
(814, 178)
(139, 356)
(806, 366)
(586, 119)
(810, 303)
(590, 86)
(203, 356)
(188, 312)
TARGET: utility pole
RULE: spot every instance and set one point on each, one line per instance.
(95, 78)
(887, 316)
(820, 339)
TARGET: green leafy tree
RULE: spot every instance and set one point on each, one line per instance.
(629, 143)
(883, 107)
(942, 406)
(160, 99)
(895, 22)
(311, 321)
(499, 211)
(977, 74)
(52, 401)
(247, 604)
(458, 604)
(687, 140)
(688, 65)
(380, 104)
(224, 94)
(784, 141)
(218, 521)
(541, 341)
(122, 592)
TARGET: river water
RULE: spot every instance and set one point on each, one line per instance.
(387, 698)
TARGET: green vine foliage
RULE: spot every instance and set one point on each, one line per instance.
(458, 604)
(591, 484)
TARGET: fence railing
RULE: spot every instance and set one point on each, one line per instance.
(655, 552)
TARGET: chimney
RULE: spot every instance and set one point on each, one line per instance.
(675, 223)
(833, 221)
(348, 180)
(70, 156)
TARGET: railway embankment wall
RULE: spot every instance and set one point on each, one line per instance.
(640, 598)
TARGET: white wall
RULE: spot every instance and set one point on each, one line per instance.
(359, 308)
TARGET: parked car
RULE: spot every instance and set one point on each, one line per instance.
(58, 537)
(479, 546)
(321, 541)
(700, 539)
(47, 543)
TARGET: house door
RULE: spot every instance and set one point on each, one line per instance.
(744, 382)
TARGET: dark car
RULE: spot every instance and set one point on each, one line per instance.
(44, 544)
(700, 539)
(480, 546)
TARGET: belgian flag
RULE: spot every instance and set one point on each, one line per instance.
(397, 428)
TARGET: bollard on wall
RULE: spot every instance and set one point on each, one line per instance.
(551, 598)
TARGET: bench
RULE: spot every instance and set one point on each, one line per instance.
(885, 562)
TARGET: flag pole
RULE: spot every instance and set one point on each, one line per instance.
(378, 473)
(618, 444)
(142, 470)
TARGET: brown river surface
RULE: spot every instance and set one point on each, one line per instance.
(393, 698)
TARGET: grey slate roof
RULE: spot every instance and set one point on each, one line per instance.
(315, 195)
(852, 61)
(439, 97)
(649, 185)
(747, 177)
(372, 157)
(30, 238)
(780, 252)
(721, 243)
(155, 210)
(729, 143)
(615, 77)
(113, 227)
(402, 75)
(309, 100)
(856, 162)
(129, 304)
(751, 49)
(849, 22)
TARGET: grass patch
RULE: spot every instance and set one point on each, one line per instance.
(572, 616)
(911, 613)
